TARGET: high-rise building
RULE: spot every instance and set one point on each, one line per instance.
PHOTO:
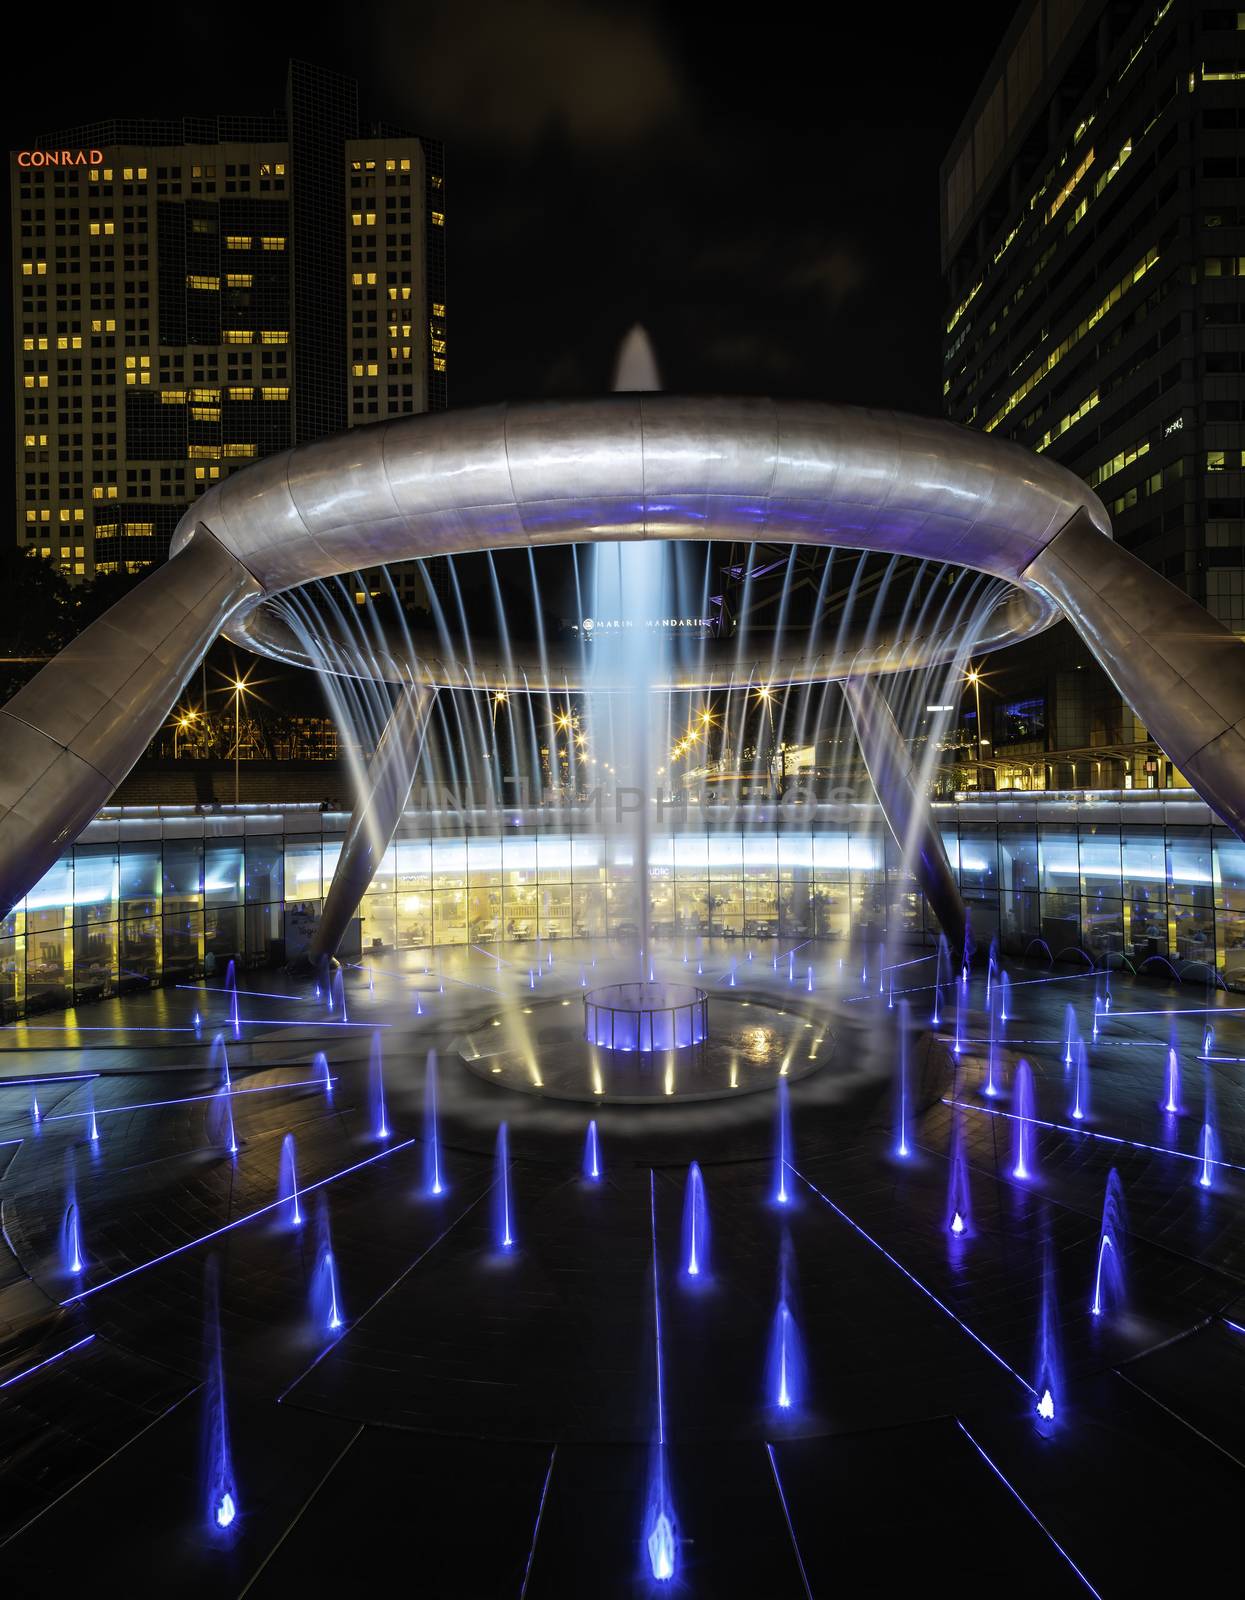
(191, 295)
(1093, 246)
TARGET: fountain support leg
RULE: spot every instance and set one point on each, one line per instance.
(906, 812)
(374, 821)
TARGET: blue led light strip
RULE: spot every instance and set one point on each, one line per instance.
(227, 1227)
(47, 1362)
(540, 1511)
(1027, 1509)
(183, 1100)
(795, 1544)
(929, 1293)
(1089, 1133)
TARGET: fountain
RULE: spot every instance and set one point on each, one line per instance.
(433, 1181)
(231, 991)
(220, 1491)
(784, 1374)
(783, 1149)
(1069, 1034)
(1022, 1123)
(695, 1225)
(645, 1017)
(1080, 1085)
(1206, 1156)
(326, 1301)
(592, 1154)
(376, 1089)
(1109, 1267)
(901, 1085)
(1005, 1010)
(959, 1217)
(73, 1257)
(287, 1181)
(36, 1116)
(503, 1217)
(92, 1126)
(1171, 1091)
(1047, 1385)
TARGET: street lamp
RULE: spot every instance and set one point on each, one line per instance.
(239, 687)
(974, 677)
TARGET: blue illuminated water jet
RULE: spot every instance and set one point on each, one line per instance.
(92, 1126)
(327, 1314)
(503, 1217)
(231, 990)
(1171, 1088)
(1080, 1084)
(592, 1154)
(959, 1218)
(73, 1257)
(784, 1153)
(434, 1182)
(1022, 1124)
(695, 1225)
(376, 1083)
(901, 1085)
(1005, 988)
(784, 1368)
(1069, 1034)
(1047, 1386)
(220, 1491)
(1109, 1265)
(320, 1068)
(287, 1181)
(991, 1085)
(36, 1116)
(1206, 1164)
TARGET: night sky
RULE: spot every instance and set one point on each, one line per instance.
(758, 186)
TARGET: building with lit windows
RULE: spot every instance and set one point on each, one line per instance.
(1093, 241)
(192, 295)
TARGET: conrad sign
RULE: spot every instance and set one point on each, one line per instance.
(60, 158)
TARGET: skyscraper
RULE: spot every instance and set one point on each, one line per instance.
(1093, 244)
(190, 295)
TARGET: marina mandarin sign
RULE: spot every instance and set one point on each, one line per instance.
(60, 158)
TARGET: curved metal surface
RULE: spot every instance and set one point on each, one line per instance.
(374, 821)
(1179, 668)
(641, 466)
(625, 467)
(907, 816)
(1020, 614)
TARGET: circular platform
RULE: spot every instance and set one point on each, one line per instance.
(542, 1049)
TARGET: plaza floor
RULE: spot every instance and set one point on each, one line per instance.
(485, 1420)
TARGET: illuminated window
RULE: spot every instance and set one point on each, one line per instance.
(239, 280)
(103, 325)
(363, 219)
(275, 392)
(399, 292)
(34, 269)
(137, 369)
(202, 452)
(200, 280)
(239, 452)
(274, 336)
(103, 227)
(201, 397)
(237, 241)
(438, 219)
(205, 413)
(69, 341)
(103, 491)
(36, 441)
(236, 335)
(173, 397)
(1071, 184)
(242, 394)
(438, 310)
(272, 241)
(438, 363)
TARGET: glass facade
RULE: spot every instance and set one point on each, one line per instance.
(165, 895)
